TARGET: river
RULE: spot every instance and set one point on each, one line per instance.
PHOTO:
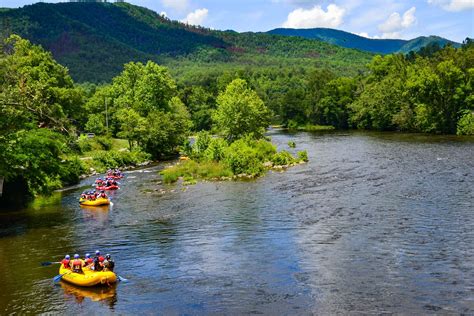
(374, 223)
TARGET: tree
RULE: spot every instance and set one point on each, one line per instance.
(132, 125)
(165, 131)
(240, 112)
(36, 97)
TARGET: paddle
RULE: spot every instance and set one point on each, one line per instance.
(48, 263)
(59, 276)
(121, 279)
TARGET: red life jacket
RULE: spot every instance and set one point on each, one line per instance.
(89, 261)
(65, 263)
(77, 265)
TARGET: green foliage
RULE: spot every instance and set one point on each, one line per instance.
(95, 124)
(101, 37)
(424, 94)
(240, 112)
(87, 144)
(241, 157)
(283, 158)
(36, 95)
(466, 123)
(303, 155)
(166, 131)
(215, 151)
(291, 144)
(103, 160)
(193, 170)
(201, 143)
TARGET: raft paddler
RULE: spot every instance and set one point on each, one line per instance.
(88, 260)
(98, 261)
(66, 262)
(109, 263)
(77, 264)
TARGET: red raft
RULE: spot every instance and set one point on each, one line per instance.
(110, 187)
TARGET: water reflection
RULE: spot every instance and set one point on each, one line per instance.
(106, 295)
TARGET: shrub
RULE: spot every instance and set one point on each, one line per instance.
(466, 123)
(303, 155)
(241, 158)
(203, 139)
(291, 144)
(87, 144)
(103, 160)
(104, 142)
(192, 170)
(283, 158)
(216, 149)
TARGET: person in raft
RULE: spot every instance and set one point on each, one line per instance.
(88, 261)
(66, 262)
(109, 263)
(98, 261)
(77, 264)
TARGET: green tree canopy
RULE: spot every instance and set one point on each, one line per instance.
(240, 112)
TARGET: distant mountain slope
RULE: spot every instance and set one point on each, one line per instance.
(349, 40)
(94, 40)
(101, 32)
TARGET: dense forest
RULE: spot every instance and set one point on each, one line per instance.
(94, 40)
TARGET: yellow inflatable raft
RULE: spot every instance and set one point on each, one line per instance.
(88, 278)
(96, 202)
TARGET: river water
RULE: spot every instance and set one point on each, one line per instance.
(374, 223)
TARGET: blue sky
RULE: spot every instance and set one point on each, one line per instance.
(453, 19)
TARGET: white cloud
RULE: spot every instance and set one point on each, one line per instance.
(179, 5)
(366, 35)
(395, 23)
(454, 5)
(315, 17)
(196, 17)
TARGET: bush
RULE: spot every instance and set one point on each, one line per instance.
(216, 149)
(466, 123)
(291, 144)
(191, 170)
(103, 160)
(70, 170)
(303, 155)
(283, 158)
(202, 141)
(104, 142)
(87, 144)
(241, 158)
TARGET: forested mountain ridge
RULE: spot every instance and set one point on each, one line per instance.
(94, 40)
(350, 40)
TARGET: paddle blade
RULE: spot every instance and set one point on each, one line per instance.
(58, 277)
(121, 279)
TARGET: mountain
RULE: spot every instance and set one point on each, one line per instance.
(94, 40)
(349, 40)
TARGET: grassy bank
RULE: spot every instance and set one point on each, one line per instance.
(101, 153)
(215, 159)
